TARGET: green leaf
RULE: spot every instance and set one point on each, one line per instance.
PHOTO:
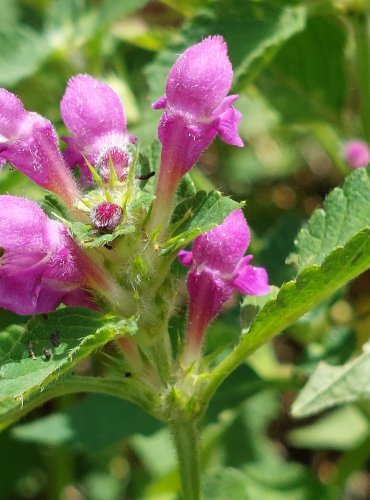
(111, 10)
(252, 304)
(225, 483)
(24, 459)
(333, 385)
(146, 448)
(186, 189)
(87, 236)
(346, 212)
(303, 86)
(343, 429)
(53, 206)
(253, 30)
(78, 333)
(149, 161)
(284, 481)
(23, 51)
(312, 285)
(196, 215)
(9, 13)
(91, 425)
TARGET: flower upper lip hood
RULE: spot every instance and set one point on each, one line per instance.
(29, 142)
(196, 96)
(200, 78)
(95, 117)
(39, 267)
(222, 247)
(221, 250)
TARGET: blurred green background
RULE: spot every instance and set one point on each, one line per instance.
(301, 70)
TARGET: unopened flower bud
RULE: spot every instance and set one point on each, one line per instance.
(106, 216)
(357, 153)
(120, 158)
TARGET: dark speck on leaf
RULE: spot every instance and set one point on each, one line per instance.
(47, 354)
(54, 339)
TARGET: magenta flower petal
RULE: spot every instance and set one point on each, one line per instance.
(208, 292)
(196, 105)
(200, 78)
(161, 103)
(227, 127)
(197, 108)
(185, 258)
(222, 247)
(94, 115)
(90, 109)
(12, 116)
(183, 141)
(217, 269)
(250, 280)
(80, 298)
(39, 265)
(224, 105)
(357, 153)
(29, 142)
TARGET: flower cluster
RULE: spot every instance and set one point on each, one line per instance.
(47, 262)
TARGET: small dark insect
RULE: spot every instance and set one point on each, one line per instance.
(107, 246)
(54, 339)
(30, 350)
(145, 177)
(128, 374)
(47, 354)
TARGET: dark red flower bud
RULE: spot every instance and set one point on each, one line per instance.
(106, 216)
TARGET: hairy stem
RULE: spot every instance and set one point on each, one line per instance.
(186, 439)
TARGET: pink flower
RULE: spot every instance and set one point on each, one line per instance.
(196, 104)
(29, 142)
(197, 108)
(357, 153)
(218, 268)
(39, 263)
(94, 115)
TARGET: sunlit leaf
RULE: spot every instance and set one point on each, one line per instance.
(253, 30)
(36, 354)
(333, 385)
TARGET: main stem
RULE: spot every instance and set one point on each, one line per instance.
(186, 439)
